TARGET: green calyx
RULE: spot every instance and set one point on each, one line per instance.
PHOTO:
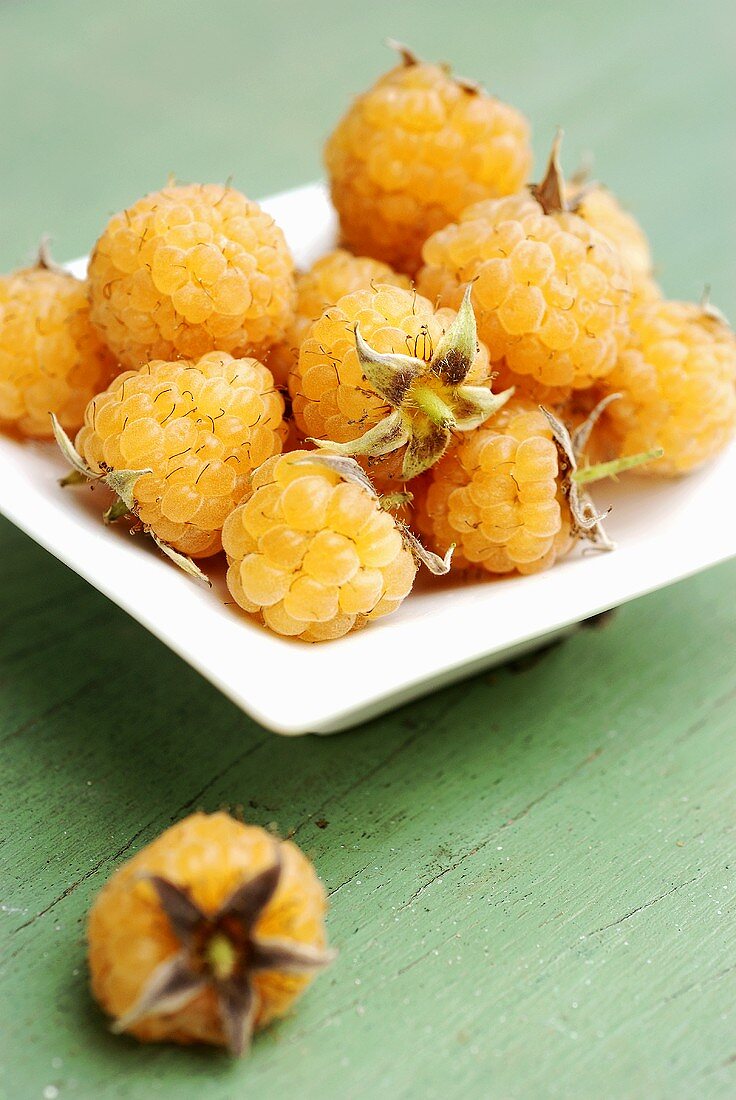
(588, 474)
(122, 483)
(430, 401)
(587, 523)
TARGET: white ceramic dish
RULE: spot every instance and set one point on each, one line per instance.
(444, 631)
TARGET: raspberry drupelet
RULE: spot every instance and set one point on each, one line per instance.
(188, 270)
(677, 381)
(385, 376)
(207, 934)
(600, 208)
(552, 295)
(312, 553)
(413, 151)
(51, 358)
(332, 276)
(187, 435)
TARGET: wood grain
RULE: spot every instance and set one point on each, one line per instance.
(531, 873)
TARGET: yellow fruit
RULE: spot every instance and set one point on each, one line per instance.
(200, 427)
(497, 496)
(384, 375)
(208, 933)
(600, 208)
(51, 358)
(677, 378)
(413, 151)
(314, 556)
(551, 294)
(189, 270)
(332, 276)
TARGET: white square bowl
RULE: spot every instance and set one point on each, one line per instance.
(444, 631)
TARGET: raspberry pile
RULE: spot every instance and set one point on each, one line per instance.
(477, 352)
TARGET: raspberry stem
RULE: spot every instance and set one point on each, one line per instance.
(432, 405)
(221, 956)
(600, 470)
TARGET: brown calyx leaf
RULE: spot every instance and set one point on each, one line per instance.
(587, 523)
(550, 193)
(44, 259)
(406, 54)
(433, 562)
(471, 87)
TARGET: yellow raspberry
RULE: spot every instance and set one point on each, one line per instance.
(189, 270)
(200, 427)
(551, 294)
(312, 555)
(332, 276)
(385, 349)
(413, 151)
(51, 358)
(207, 934)
(497, 496)
(677, 378)
(513, 494)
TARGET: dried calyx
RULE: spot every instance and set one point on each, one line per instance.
(587, 522)
(44, 259)
(406, 54)
(550, 192)
(221, 952)
(711, 312)
(349, 470)
(429, 400)
(409, 58)
(122, 484)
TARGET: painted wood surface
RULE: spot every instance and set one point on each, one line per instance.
(531, 873)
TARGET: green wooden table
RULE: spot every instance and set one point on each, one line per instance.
(531, 874)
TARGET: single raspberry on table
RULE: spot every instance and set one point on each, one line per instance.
(385, 376)
(178, 442)
(677, 381)
(413, 151)
(51, 357)
(551, 294)
(207, 934)
(332, 276)
(312, 553)
(188, 270)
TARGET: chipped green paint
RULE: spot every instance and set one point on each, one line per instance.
(531, 873)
